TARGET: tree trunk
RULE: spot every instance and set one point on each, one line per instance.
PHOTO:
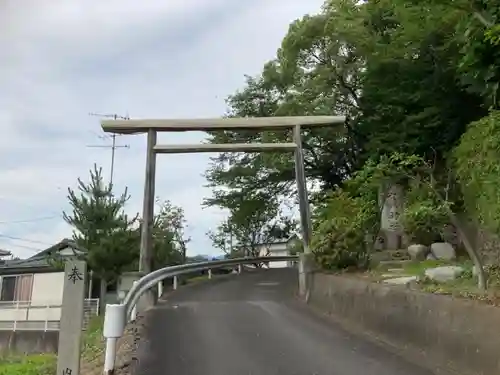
(473, 254)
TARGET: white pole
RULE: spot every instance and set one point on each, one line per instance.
(209, 273)
(133, 314)
(114, 326)
(160, 289)
(109, 359)
(175, 283)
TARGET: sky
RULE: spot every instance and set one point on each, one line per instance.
(62, 60)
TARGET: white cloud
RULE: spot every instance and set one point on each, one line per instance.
(171, 59)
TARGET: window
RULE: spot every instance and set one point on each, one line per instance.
(16, 288)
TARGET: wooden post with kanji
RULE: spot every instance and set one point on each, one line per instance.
(72, 313)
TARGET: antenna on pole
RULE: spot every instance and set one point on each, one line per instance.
(113, 145)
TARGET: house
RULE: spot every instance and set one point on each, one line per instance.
(278, 248)
(31, 289)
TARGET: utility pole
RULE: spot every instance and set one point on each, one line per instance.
(113, 145)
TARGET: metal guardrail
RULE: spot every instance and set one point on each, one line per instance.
(150, 280)
(116, 316)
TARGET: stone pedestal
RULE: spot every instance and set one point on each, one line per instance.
(307, 267)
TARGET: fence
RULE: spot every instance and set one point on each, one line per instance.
(39, 316)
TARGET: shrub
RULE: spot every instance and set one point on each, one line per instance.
(476, 162)
(341, 225)
(424, 216)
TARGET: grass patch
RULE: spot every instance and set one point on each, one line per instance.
(36, 364)
(45, 364)
(418, 268)
(465, 286)
(93, 343)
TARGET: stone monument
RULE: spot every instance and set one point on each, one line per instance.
(392, 203)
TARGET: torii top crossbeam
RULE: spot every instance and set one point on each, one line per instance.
(230, 123)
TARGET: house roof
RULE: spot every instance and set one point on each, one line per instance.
(65, 243)
(40, 261)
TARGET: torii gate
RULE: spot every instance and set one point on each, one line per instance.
(152, 127)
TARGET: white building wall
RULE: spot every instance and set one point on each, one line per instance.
(46, 299)
(280, 249)
(47, 288)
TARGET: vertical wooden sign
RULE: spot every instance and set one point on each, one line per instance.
(71, 324)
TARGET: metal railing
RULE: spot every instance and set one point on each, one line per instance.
(116, 316)
(38, 315)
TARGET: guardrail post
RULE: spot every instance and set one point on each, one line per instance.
(17, 311)
(239, 268)
(114, 326)
(160, 289)
(209, 273)
(133, 314)
(175, 283)
(47, 310)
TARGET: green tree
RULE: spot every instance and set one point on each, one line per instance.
(477, 167)
(101, 226)
(253, 222)
(391, 68)
(169, 239)
(316, 72)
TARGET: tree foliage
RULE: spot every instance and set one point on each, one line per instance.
(476, 161)
(416, 81)
(395, 69)
(169, 235)
(253, 223)
(101, 226)
(341, 225)
(112, 238)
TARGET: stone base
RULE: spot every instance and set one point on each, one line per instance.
(393, 240)
(307, 267)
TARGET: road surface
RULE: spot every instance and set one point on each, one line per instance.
(252, 324)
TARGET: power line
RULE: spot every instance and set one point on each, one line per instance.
(23, 239)
(30, 220)
(113, 145)
(26, 247)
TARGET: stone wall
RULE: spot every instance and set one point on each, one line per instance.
(455, 333)
(27, 342)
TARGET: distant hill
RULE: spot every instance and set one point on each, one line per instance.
(204, 258)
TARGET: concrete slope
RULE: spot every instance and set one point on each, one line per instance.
(252, 324)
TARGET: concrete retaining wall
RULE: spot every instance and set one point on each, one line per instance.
(29, 341)
(463, 334)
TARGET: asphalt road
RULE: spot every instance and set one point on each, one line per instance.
(252, 324)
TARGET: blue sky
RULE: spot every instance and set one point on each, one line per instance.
(151, 59)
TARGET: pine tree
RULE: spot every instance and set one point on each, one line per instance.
(101, 226)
